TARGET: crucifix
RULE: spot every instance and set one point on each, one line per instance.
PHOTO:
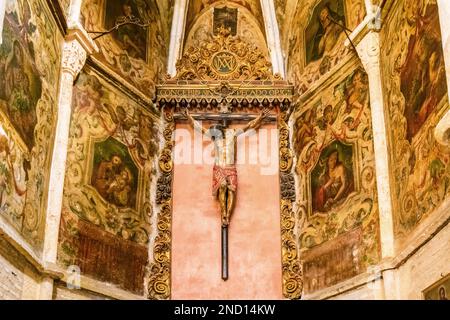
(224, 184)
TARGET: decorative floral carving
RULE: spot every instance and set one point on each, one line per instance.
(32, 52)
(158, 284)
(73, 57)
(164, 188)
(291, 267)
(287, 186)
(158, 281)
(224, 58)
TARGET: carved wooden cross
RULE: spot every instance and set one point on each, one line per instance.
(225, 253)
(224, 170)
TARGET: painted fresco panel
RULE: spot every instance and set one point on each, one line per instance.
(247, 29)
(324, 29)
(29, 69)
(196, 7)
(332, 179)
(439, 290)
(316, 38)
(336, 187)
(135, 53)
(226, 18)
(107, 194)
(114, 174)
(424, 87)
(131, 38)
(416, 99)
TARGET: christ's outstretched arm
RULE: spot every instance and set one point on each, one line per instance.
(194, 123)
(256, 123)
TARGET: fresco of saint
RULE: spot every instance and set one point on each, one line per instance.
(324, 31)
(20, 85)
(226, 18)
(114, 175)
(439, 290)
(332, 179)
(132, 38)
(424, 87)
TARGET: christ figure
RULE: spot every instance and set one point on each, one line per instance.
(224, 184)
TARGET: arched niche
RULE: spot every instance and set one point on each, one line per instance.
(249, 28)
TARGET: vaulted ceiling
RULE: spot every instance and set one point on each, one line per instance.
(271, 25)
(196, 7)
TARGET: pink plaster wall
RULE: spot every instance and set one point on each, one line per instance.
(254, 235)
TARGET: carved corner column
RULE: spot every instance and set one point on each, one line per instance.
(77, 46)
(292, 275)
(176, 35)
(273, 37)
(369, 53)
(158, 272)
(442, 131)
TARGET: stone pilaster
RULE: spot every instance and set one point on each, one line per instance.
(176, 35)
(273, 36)
(77, 46)
(369, 53)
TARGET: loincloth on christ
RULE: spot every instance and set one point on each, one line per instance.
(224, 176)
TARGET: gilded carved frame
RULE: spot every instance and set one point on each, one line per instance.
(251, 84)
(159, 270)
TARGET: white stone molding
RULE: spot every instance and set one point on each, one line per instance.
(74, 11)
(273, 37)
(369, 53)
(73, 59)
(176, 35)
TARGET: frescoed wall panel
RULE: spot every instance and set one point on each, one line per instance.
(29, 69)
(416, 99)
(336, 187)
(136, 53)
(107, 197)
(316, 38)
(247, 27)
(197, 7)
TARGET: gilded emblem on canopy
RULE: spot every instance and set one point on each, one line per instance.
(224, 57)
(224, 62)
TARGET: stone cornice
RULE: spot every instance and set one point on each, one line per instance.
(76, 31)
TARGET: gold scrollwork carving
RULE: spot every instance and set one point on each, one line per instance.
(158, 284)
(291, 266)
(165, 159)
(159, 280)
(286, 155)
(224, 58)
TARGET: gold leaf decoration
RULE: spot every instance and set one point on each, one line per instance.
(225, 57)
(291, 267)
(158, 285)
